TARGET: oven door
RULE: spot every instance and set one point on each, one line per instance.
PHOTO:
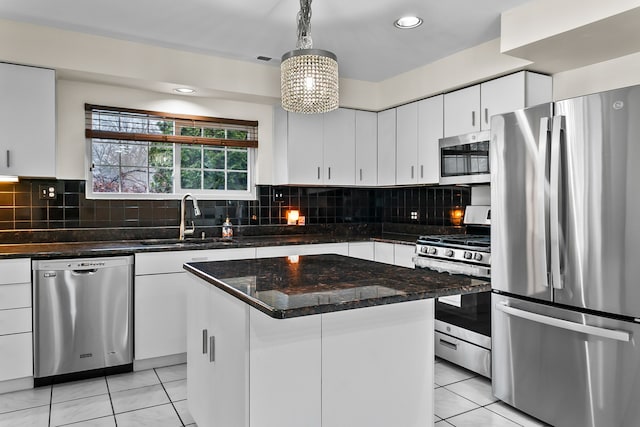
(464, 159)
(470, 312)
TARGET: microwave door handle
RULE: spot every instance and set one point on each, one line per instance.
(612, 334)
(543, 196)
(554, 201)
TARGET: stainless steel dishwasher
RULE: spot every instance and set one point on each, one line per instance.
(82, 317)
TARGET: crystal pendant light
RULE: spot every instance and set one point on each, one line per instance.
(308, 77)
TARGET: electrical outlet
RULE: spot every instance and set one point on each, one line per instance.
(414, 215)
(278, 196)
(47, 192)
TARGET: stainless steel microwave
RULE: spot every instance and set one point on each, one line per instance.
(464, 159)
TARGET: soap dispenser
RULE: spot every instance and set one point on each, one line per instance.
(227, 230)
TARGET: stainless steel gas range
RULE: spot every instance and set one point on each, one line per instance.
(463, 322)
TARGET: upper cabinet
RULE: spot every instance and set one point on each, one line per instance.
(27, 119)
(339, 132)
(366, 148)
(387, 147)
(470, 109)
(419, 127)
(316, 149)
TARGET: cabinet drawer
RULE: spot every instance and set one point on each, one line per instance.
(15, 295)
(15, 321)
(16, 356)
(171, 262)
(15, 271)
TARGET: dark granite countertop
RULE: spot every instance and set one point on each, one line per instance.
(312, 284)
(127, 247)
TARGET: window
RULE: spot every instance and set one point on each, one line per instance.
(145, 154)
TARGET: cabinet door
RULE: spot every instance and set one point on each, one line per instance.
(199, 369)
(387, 147)
(16, 354)
(462, 111)
(383, 252)
(362, 250)
(403, 254)
(305, 149)
(27, 120)
(339, 147)
(315, 249)
(407, 144)
(366, 148)
(161, 315)
(502, 95)
(430, 130)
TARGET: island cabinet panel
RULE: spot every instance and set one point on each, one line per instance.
(377, 355)
(217, 357)
(285, 371)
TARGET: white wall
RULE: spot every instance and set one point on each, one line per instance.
(613, 74)
(72, 95)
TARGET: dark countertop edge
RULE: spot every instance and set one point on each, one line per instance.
(330, 308)
(112, 248)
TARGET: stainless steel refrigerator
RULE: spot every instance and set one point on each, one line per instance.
(565, 247)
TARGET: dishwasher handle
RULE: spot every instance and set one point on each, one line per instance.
(84, 272)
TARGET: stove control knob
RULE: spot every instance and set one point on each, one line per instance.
(432, 251)
(423, 249)
(449, 253)
(468, 255)
(477, 256)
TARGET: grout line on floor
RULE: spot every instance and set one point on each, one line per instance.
(169, 397)
(115, 420)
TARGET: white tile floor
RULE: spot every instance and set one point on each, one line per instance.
(157, 398)
(464, 399)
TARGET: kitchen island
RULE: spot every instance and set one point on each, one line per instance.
(318, 340)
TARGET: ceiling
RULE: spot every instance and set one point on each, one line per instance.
(359, 32)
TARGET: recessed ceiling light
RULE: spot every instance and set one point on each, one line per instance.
(184, 90)
(407, 22)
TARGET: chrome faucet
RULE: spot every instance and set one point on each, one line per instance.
(196, 212)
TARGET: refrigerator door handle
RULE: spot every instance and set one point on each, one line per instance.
(554, 202)
(543, 192)
(564, 324)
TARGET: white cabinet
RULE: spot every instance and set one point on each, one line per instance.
(314, 249)
(339, 134)
(315, 149)
(27, 120)
(387, 147)
(160, 298)
(305, 149)
(362, 250)
(394, 253)
(513, 92)
(419, 127)
(366, 148)
(430, 130)
(16, 339)
(461, 111)
(470, 109)
(407, 144)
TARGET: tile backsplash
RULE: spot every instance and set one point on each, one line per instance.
(22, 209)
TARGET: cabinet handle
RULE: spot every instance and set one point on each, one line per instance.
(448, 344)
(8, 158)
(411, 172)
(329, 173)
(486, 115)
(204, 341)
(360, 174)
(473, 118)
(421, 171)
(212, 349)
(318, 172)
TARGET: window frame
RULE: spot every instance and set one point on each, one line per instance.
(177, 141)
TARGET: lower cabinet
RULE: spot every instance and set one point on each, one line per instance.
(16, 338)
